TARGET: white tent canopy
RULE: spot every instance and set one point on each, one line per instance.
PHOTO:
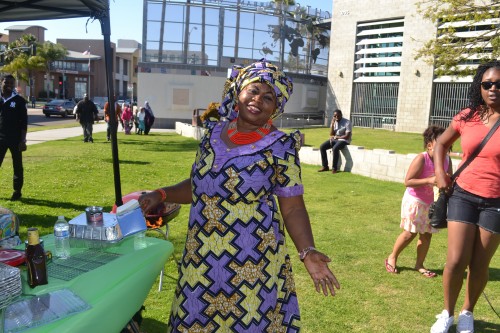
(26, 10)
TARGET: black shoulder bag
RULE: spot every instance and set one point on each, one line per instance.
(439, 209)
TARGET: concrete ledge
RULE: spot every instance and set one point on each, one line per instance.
(377, 163)
(189, 130)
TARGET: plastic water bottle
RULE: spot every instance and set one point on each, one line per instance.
(61, 236)
(140, 240)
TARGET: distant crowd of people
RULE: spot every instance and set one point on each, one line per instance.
(141, 118)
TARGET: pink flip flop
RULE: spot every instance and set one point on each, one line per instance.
(389, 268)
(427, 273)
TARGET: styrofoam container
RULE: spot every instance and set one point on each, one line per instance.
(130, 218)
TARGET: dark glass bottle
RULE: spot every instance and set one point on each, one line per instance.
(35, 260)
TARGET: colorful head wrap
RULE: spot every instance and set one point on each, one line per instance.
(261, 71)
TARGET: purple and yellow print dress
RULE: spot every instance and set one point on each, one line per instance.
(235, 274)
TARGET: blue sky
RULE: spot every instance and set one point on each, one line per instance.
(126, 22)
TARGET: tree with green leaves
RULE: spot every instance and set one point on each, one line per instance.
(25, 56)
(19, 58)
(16, 55)
(299, 29)
(468, 33)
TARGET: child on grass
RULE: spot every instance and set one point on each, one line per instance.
(142, 117)
(419, 195)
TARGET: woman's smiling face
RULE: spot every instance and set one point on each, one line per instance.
(256, 103)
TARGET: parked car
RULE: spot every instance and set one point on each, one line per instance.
(59, 107)
(100, 111)
(100, 100)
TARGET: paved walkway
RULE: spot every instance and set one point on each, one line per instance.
(62, 133)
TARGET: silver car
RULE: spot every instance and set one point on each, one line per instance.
(58, 107)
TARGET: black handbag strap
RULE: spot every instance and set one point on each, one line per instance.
(476, 151)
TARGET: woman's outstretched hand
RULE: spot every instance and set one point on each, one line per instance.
(317, 265)
(149, 200)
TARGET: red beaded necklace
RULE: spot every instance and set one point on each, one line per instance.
(240, 138)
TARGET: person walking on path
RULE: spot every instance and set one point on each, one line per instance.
(235, 256)
(13, 129)
(474, 204)
(127, 118)
(340, 136)
(118, 112)
(141, 118)
(149, 118)
(136, 118)
(86, 113)
(419, 195)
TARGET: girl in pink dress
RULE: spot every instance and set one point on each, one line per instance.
(419, 195)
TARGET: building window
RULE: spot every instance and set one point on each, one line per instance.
(379, 46)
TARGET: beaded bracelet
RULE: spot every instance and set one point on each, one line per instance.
(304, 252)
(162, 193)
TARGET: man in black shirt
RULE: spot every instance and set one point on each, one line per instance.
(86, 113)
(13, 129)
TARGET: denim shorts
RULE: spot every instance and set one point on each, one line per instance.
(466, 207)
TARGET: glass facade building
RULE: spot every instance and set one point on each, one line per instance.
(212, 35)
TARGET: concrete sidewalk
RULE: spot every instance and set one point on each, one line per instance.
(62, 133)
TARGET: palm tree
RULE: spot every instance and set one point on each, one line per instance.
(50, 52)
(305, 33)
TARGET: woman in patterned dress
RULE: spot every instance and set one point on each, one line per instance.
(235, 273)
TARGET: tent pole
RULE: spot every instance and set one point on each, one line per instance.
(108, 55)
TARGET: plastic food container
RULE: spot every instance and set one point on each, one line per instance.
(12, 257)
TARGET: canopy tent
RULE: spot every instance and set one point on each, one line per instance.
(26, 10)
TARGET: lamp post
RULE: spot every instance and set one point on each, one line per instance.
(189, 38)
(282, 35)
(89, 74)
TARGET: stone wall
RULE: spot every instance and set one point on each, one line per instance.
(415, 82)
(377, 163)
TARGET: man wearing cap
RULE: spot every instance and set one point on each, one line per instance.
(86, 113)
(13, 129)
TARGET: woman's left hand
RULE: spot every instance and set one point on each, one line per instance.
(317, 265)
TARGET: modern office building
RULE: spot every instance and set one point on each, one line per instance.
(188, 47)
(373, 75)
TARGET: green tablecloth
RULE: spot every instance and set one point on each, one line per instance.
(115, 291)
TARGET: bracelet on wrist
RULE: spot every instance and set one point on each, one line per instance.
(304, 252)
(162, 193)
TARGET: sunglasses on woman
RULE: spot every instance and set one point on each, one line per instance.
(487, 85)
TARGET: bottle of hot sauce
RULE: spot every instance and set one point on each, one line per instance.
(35, 260)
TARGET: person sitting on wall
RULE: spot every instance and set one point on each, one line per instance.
(340, 136)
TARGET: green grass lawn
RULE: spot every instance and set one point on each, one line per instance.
(355, 220)
(401, 143)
